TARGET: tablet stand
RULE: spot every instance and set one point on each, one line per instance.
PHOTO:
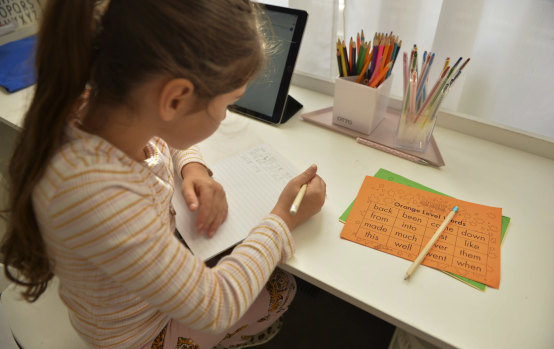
(292, 106)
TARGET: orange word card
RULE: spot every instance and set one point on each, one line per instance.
(400, 220)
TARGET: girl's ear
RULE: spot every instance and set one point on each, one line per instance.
(176, 97)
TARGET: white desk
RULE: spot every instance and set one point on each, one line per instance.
(430, 305)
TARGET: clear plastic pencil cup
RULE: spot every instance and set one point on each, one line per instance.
(414, 133)
(417, 122)
(419, 110)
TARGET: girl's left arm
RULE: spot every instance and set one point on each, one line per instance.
(181, 158)
(200, 191)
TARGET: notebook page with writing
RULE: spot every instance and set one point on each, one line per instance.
(253, 181)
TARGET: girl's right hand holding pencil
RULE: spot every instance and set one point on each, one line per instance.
(311, 203)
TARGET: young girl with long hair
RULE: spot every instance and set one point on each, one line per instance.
(124, 91)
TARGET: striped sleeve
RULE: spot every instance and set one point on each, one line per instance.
(108, 218)
(183, 157)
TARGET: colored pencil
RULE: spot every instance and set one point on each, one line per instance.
(381, 75)
(433, 91)
(341, 71)
(342, 59)
(298, 199)
(430, 244)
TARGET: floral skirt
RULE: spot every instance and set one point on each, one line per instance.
(270, 304)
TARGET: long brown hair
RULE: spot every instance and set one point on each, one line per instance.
(214, 43)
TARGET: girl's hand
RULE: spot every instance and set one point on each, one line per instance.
(203, 193)
(312, 202)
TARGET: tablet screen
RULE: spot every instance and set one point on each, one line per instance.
(266, 96)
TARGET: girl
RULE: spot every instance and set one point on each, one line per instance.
(91, 185)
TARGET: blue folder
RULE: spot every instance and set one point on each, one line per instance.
(17, 64)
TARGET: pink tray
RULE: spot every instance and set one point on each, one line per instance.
(382, 135)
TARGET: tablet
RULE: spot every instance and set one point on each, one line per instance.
(266, 97)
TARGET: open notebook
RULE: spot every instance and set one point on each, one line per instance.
(253, 181)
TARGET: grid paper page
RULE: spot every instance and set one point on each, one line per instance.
(253, 181)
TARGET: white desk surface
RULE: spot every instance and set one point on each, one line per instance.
(431, 304)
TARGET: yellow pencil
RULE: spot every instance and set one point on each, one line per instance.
(445, 63)
(342, 58)
(298, 200)
(431, 242)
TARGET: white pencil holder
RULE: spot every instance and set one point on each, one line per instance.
(358, 106)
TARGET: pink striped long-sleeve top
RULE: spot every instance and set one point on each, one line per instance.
(106, 223)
